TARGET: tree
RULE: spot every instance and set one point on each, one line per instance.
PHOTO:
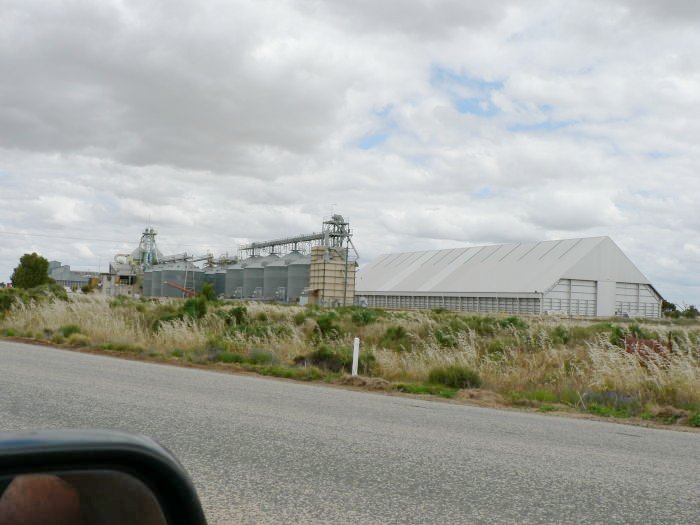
(33, 270)
(691, 312)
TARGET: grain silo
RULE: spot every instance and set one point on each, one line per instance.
(275, 280)
(148, 283)
(180, 276)
(220, 281)
(157, 281)
(233, 286)
(297, 275)
(254, 276)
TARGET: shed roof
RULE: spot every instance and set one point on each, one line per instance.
(501, 268)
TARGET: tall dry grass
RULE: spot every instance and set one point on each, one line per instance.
(509, 358)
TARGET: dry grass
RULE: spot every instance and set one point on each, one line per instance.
(561, 359)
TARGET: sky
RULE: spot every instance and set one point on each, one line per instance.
(428, 124)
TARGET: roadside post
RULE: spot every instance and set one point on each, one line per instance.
(355, 355)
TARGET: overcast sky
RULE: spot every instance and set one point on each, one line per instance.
(429, 124)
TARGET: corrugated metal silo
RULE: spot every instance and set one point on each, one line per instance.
(254, 276)
(157, 281)
(172, 274)
(197, 280)
(275, 280)
(297, 275)
(220, 281)
(233, 287)
(147, 283)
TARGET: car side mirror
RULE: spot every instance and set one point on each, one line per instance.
(93, 477)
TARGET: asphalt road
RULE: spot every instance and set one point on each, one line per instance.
(262, 450)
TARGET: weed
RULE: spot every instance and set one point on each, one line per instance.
(68, 330)
(230, 357)
(547, 408)
(455, 377)
(425, 389)
(77, 339)
(694, 419)
(9, 332)
(396, 337)
(363, 316)
(261, 357)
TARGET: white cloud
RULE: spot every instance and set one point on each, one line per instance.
(221, 122)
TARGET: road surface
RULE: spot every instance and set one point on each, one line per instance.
(268, 451)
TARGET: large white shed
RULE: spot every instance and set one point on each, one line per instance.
(581, 277)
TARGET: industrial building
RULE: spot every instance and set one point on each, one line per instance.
(63, 275)
(576, 277)
(317, 268)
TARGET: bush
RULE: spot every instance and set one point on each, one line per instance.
(431, 390)
(230, 357)
(611, 403)
(208, 292)
(337, 360)
(363, 316)
(77, 339)
(69, 330)
(328, 326)
(396, 338)
(455, 377)
(239, 314)
(261, 357)
(195, 308)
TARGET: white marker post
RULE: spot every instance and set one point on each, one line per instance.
(355, 355)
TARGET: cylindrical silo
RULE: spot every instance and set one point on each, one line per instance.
(254, 276)
(198, 278)
(275, 280)
(147, 283)
(297, 275)
(172, 277)
(220, 281)
(157, 281)
(233, 287)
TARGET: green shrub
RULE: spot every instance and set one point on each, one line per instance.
(455, 377)
(327, 324)
(560, 335)
(694, 419)
(208, 292)
(611, 403)
(300, 374)
(445, 338)
(77, 339)
(396, 337)
(299, 318)
(69, 330)
(261, 357)
(512, 322)
(431, 390)
(9, 332)
(230, 357)
(363, 316)
(337, 360)
(195, 308)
